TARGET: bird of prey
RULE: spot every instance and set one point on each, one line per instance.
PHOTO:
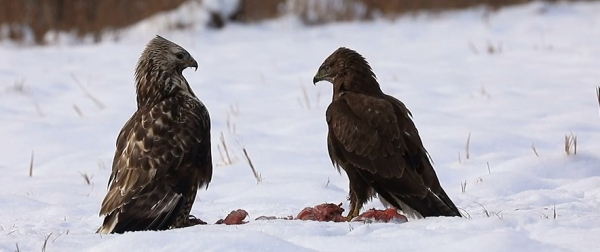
(163, 152)
(374, 140)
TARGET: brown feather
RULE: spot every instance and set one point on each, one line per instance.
(374, 140)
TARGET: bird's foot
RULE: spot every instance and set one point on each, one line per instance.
(354, 211)
(192, 221)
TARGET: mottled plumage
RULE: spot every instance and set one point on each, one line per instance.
(163, 152)
(374, 140)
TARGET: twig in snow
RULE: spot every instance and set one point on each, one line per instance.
(77, 110)
(86, 178)
(234, 108)
(53, 240)
(230, 125)
(306, 98)
(99, 104)
(226, 158)
(46, 242)
(256, 174)
(466, 214)
(571, 144)
(467, 146)
(534, 150)
(485, 211)
(598, 94)
(38, 109)
(31, 165)
(101, 165)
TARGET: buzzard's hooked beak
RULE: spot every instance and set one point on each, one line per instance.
(194, 64)
(319, 77)
(315, 80)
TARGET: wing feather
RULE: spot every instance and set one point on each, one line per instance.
(159, 156)
(368, 129)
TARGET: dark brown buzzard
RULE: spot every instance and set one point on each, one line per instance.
(163, 152)
(372, 137)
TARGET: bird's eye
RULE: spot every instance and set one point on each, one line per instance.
(179, 55)
(327, 68)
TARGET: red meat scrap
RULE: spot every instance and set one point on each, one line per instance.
(236, 217)
(322, 212)
(388, 215)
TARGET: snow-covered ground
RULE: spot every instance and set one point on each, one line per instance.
(65, 104)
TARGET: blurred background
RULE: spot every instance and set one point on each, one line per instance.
(38, 21)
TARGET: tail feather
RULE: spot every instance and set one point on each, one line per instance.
(110, 221)
(417, 207)
(443, 204)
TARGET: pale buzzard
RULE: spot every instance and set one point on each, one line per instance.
(163, 152)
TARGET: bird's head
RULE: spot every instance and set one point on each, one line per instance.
(347, 70)
(168, 56)
(332, 67)
(159, 71)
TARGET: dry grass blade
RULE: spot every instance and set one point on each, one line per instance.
(465, 213)
(488, 166)
(17, 245)
(485, 211)
(38, 109)
(221, 155)
(463, 186)
(31, 165)
(53, 240)
(468, 145)
(99, 104)
(18, 86)
(598, 94)
(101, 165)
(571, 144)
(235, 109)
(78, 110)
(306, 98)
(318, 98)
(46, 242)
(490, 47)
(225, 158)
(534, 150)
(574, 145)
(256, 174)
(230, 125)
(86, 178)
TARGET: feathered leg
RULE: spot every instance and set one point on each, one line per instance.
(360, 193)
(185, 219)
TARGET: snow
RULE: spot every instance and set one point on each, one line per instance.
(256, 81)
